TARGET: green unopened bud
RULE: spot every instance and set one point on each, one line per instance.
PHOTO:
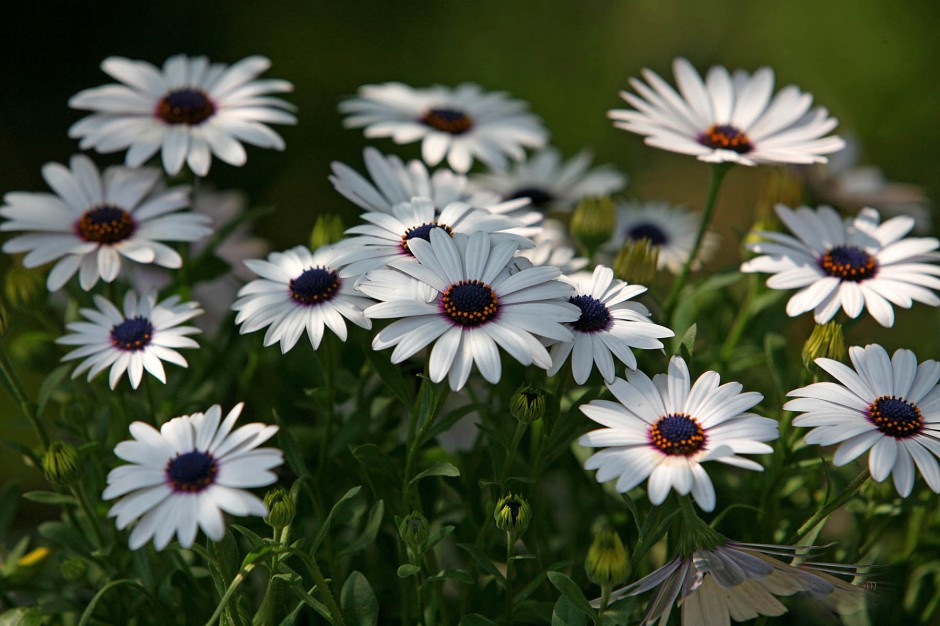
(280, 508)
(826, 341)
(61, 464)
(73, 569)
(606, 563)
(512, 514)
(327, 230)
(413, 530)
(21, 286)
(592, 223)
(636, 262)
(527, 404)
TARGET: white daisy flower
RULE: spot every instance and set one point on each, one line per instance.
(663, 429)
(299, 290)
(189, 111)
(187, 474)
(138, 338)
(549, 182)
(891, 406)
(462, 124)
(388, 236)
(478, 306)
(552, 247)
(738, 582)
(728, 118)
(671, 229)
(93, 220)
(857, 264)
(609, 326)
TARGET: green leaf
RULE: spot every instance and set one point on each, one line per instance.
(475, 619)
(482, 560)
(440, 468)
(309, 600)
(444, 423)
(65, 536)
(459, 575)
(392, 377)
(50, 497)
(567, 614)
(329, 518)
(686, 345)
(406, 570)
(49, 386)
(572, 592)
(358, 601)
(436, 536)
(370, 532)
(254, 540)
(381, 472)
(21, 616)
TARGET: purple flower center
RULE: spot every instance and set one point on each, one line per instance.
(849, 263)
(106, 224)
(537, 196)
(677, 434)
(470, 303)
(422, 232)
(645, 230)
(191, 472)
(725, 137)
(132, 334)
(896, 417)
(594, 314)
(314, 286)
(185, 106)
(447, 120)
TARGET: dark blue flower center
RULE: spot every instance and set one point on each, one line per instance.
(315, 285)
(191, 472)
(677, 434)
(132, 334)
(594, 314)
(537, 196)
(645, 230)
(849, 263)
(446, 120)
(422, 232)
(725, 137)
(185, 106)
(105, 224)
(470, 303)
(896, 417)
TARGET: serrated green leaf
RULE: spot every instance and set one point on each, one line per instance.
(440, 468)
(358, 601)
(50, 497)
(406, 570)
(572, 592)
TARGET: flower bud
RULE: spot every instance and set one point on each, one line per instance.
(527, 404)
(592, 223)
(61, 464)
(327, 230)
(825, 341)
(512, 514)
(73, 569)
(606, 563)
(280, 509)
(413, 530)
(636, 262)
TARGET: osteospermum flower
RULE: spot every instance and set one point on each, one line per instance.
(299, 290)
(461, 124)
(550, 182)
(609, 326)
(728, 118)
(184, 476)
(665, 430)
(476, 306)
(889, 406)
(134, 339)
(93, 220)
(855, 265)
(188, 111)
(671, 229)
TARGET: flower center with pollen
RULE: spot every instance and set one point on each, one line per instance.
(849, 263)
(315, 285)
(185, 106)
(594, 314)
(132, 334)
(105, 224)
(470, 303)
(896, 417)
(677, 434)
(537, 196)
(725, 137)
(453, 121)
(651, 232)
(191, 472)
(422, 232)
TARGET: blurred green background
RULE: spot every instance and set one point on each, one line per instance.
(873, 63)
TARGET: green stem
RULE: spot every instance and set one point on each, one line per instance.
(605, 598)
(79, 494)
(90, 609)
(510, 540)
(232, 587)
(826, 510)
(326, 592)
(718, 174)
(12, 382)
(510, 454)
(740, 320)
